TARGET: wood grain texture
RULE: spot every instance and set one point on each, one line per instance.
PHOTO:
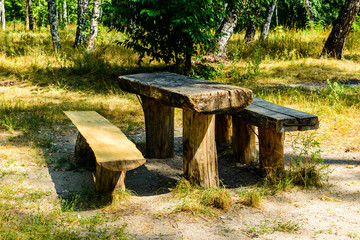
(223, 130)
(180, 91)
(271, 150)
(107, 180)
(262, 113)
(159, 125)
(243, 143)
(200, 155)
(112, 149)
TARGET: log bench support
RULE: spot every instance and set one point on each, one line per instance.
(200, 155)
(272, 121)
(103, 147)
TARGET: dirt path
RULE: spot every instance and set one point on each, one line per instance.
(330, 213)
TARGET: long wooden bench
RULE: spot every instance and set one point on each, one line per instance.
(272, 121)
(102, 144)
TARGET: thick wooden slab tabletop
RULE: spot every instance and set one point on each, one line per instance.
(112, 149)
(266, 114)
(180, 91)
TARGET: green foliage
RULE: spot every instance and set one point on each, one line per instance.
(268, 227)
(205, 71)
(306, 168)
(169, 31)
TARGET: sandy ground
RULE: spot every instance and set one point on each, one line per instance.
(330, 213)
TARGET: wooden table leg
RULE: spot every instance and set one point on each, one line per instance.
(244, 145)
(223, 130)
(159, 124)
(271, 150)
(200, 155)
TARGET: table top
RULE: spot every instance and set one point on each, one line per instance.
(180, 91)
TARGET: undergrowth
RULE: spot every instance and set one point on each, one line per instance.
(199, 200)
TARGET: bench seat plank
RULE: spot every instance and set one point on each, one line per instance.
(180, 91)
(112, 149)
(262, 113)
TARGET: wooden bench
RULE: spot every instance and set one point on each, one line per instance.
(272, 121)
(104, 145)
(200, 100)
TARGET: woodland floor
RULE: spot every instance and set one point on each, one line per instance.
(329, 213)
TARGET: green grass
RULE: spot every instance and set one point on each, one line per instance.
(198, 200)
(36, 85)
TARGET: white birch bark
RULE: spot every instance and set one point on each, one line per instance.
(53, 25)
(2, 14)
(269, 14)
(65, 13)
(94, 25)
(226, 30)
(83, 6)
(309, 10)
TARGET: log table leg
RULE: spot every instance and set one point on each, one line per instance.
(223, 130)
(244, 145)
(200, 156)
(271, 150)
(159, 125)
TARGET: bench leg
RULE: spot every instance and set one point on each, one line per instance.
(84, 155)
(200, 156)
(271, 150)
(159, 125)
(223, 130)
(244, 145)
(108, 181)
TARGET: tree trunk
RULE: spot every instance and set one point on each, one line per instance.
(30, 15)
(226, 29)
(26, 15)
(250, 32)
(65, 13)
(309, 10)
(53, 25)
(269, 14)
(83, 6)
(2, 14)
(334, 46)
(94, 25)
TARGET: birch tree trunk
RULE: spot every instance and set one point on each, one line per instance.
(225, 32)
(268, 17)
(2, 14)
(65, 13)
(334, 45)
(250, 32)
(30, 14)
(26, 15)
(53, 25)
(83, 6)
(309, 10)
(94, 25)
(226, 29)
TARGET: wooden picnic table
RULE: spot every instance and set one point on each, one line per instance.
(200, 100)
